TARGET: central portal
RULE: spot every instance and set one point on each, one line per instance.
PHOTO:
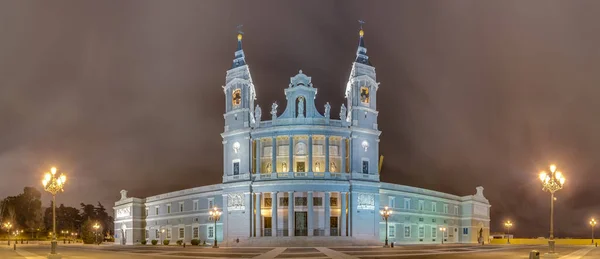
(301, 224)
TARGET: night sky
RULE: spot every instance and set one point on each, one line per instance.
(127, 94)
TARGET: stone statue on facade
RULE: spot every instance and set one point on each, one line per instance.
(343, 113)
(274, 110)
(327, 110)
(332, 167)
(257, 114)
(301, 107)
(268, 167)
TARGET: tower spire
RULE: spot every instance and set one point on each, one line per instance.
(361, 52)
(240, 58)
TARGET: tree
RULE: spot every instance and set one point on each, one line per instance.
(88, 233)
(67, 218)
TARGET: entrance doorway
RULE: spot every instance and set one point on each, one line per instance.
(333, 224)
(300, 226)
(300, 166)
(267, 223)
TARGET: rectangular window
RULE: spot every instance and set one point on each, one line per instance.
(392, 202)
(211, 203)
(181, 233)
(333, 151)
(236, 168)
(267, 151)
(283, 150)
(195, 233)
(365, 167)
(434, 207)
(446, 234)
(268, 203)
(168, 233)
(333, 201)
(421, 205)
(446, 208)
(407, 203)
(392, 231)
(318, 201)
(195, 205)
(156, 211)
(433, 220)
(283, 201)
(156, 234)
(421, 231)
(211, 232)
(168, 208)
(181, 207)
(455, 210)
(406, 231)
(465, 231)
(146, 212)
(318, 150)
(421, 219)
(300, 201)
(434, 232)
(147, 234)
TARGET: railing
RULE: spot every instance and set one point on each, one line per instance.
(267, 232)
(238, 177)
(301, 232)
(284, 232)
(318, 232)
(305, 175)
(370, 177)
(333, 232)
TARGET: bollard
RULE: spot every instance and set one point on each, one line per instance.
(534, 254)
(392, 244)
(15, 246)
(183, 244)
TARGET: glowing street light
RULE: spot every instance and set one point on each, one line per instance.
(215, 213)
(593, 224)
(552, 182)
(508, 224)
(96, 226)
(385, 214)
(54, 184)
(443, 229)
(7, 226)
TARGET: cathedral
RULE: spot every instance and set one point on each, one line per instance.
(301, 171)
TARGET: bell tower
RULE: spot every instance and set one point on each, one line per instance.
(361, 96)
(239, 117)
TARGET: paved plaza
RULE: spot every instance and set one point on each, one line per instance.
(420, 252)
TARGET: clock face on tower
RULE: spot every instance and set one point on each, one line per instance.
(236, 97)
(364, 95)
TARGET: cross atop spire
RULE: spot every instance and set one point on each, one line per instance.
(239, 53)
(361, 52)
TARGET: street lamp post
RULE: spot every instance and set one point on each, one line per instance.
(443, 229)
(96, 227)
(593, 224)
(385, 214)
(54, 185)
(8, 226)
(216, 215)
(508, 224)
(552, 182)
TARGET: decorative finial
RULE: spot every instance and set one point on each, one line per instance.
(361, 32)
(240, 32)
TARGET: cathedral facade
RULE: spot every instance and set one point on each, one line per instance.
(301, 171)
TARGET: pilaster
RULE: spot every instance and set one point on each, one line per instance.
(343, 155)
(310, 213)
(258, 215)
(291, 154)
(291, 214)
(258, 146)
(343, 213)
(274, 155)
(274, 214)
(327, 208)
(310, 153)
(248, 211)
(326, 153)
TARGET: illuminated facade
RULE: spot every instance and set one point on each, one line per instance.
(302, 172)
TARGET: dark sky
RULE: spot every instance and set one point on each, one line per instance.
(127, 94)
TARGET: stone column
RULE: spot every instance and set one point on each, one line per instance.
(258, 215)
(327, 209)
(291, 154)
(309, 217)
(310, 153)
(326, 153)
(248, 210)
(343, 155)
(274, 214)
(343, 214)
(274, 155)
(291, 214)
(258, 167)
